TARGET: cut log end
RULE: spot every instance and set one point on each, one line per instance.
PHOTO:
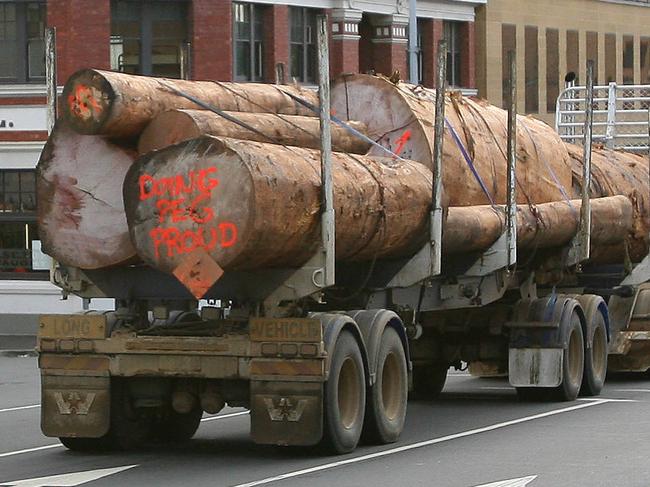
(87, 101)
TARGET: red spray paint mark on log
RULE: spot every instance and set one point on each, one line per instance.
(178, 198)
(83, 103)
(401, 142)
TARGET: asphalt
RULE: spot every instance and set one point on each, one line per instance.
(477, 433)
(17, 333)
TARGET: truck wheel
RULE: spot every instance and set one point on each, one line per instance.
(386, 406)
(345, 395)
(178, 427)
(595, 359)
(129, 429)
(573, 362)
(85, 444)
(429, 380)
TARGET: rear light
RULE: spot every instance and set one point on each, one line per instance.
(48, 345)
(289, 349)
(86, 345)
(308, 350)
(269, 349)
(66, 345)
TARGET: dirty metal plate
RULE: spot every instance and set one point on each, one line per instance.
(535, 367)
(286, 413)
(72, 326)
(75, 406)
(198, 272)
(285, 330)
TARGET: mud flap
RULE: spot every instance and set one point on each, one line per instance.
(75, 406)
(540, 367)
(286, 413)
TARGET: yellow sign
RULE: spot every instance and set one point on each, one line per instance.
(285, 330)
(72, 326)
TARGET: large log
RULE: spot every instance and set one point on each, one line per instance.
(251, 205)
(401, 117)
(254, 205)
(547, 225)
(175, 126)
(121, 105)
(618, 173)
(80, 209)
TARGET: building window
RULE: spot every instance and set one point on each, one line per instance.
(303, 44)
(148, 37)
(628, 60)
(592, 52)
(508, 43)
(531, 69)
(18, 228)
(644, 48)
(248, 46)
(572, 54)
(22, 44)
(452, 36)
(610, 58)
(552, 68)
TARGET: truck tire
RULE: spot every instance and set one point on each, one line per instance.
(178, 427)
(86, 444)
(345, 396)
(573, 362)
(129, 429)
(595, 359)
(386, 404)
(429, 380)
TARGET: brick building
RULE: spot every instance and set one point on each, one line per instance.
(196, 39)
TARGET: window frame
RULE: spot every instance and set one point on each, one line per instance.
(255, 11)
(24, 217)
(145, 22)
(304, 11)
(22, 40)
(451, 33)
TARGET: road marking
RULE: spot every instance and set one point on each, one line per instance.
(68, 479)
(18, 408)
(607, 399)
(521, 482)
(420, 444)
(225, 416)
(59, 445)
(495, 388)
(29, 450)
(626, 390)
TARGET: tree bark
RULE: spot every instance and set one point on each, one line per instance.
(121, 105)
(254, 205)
(175, 126)
(80, 209)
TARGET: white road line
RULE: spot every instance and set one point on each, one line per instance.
(412, 446)
(608, 399)
(29, 450)
(18, 408)
(224, 416)
(495, 388)
(631, 390)
(59, 445)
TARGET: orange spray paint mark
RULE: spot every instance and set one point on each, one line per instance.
(83, 102)
(401, 142)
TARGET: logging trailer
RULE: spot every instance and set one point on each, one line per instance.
(326, 351)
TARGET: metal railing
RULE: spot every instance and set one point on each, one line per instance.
(620, 116)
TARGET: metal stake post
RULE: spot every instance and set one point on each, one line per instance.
(580, 246)
(413, 42)
(50, 76)
(327, 217)
(511, 210)
(439, 131)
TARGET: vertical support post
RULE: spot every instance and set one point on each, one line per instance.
(327, 202)
(610, 133)
(413, 42)
(280, 78)
(50, 76)
(511, 210)
(580, 246)
(186, 60)
(438, 138)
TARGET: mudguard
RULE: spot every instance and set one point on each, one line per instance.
(372, 324)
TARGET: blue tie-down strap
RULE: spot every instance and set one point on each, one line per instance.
(469, 161)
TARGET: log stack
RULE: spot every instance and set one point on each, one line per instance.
(248, 193)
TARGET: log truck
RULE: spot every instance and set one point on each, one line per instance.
(440, 231)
